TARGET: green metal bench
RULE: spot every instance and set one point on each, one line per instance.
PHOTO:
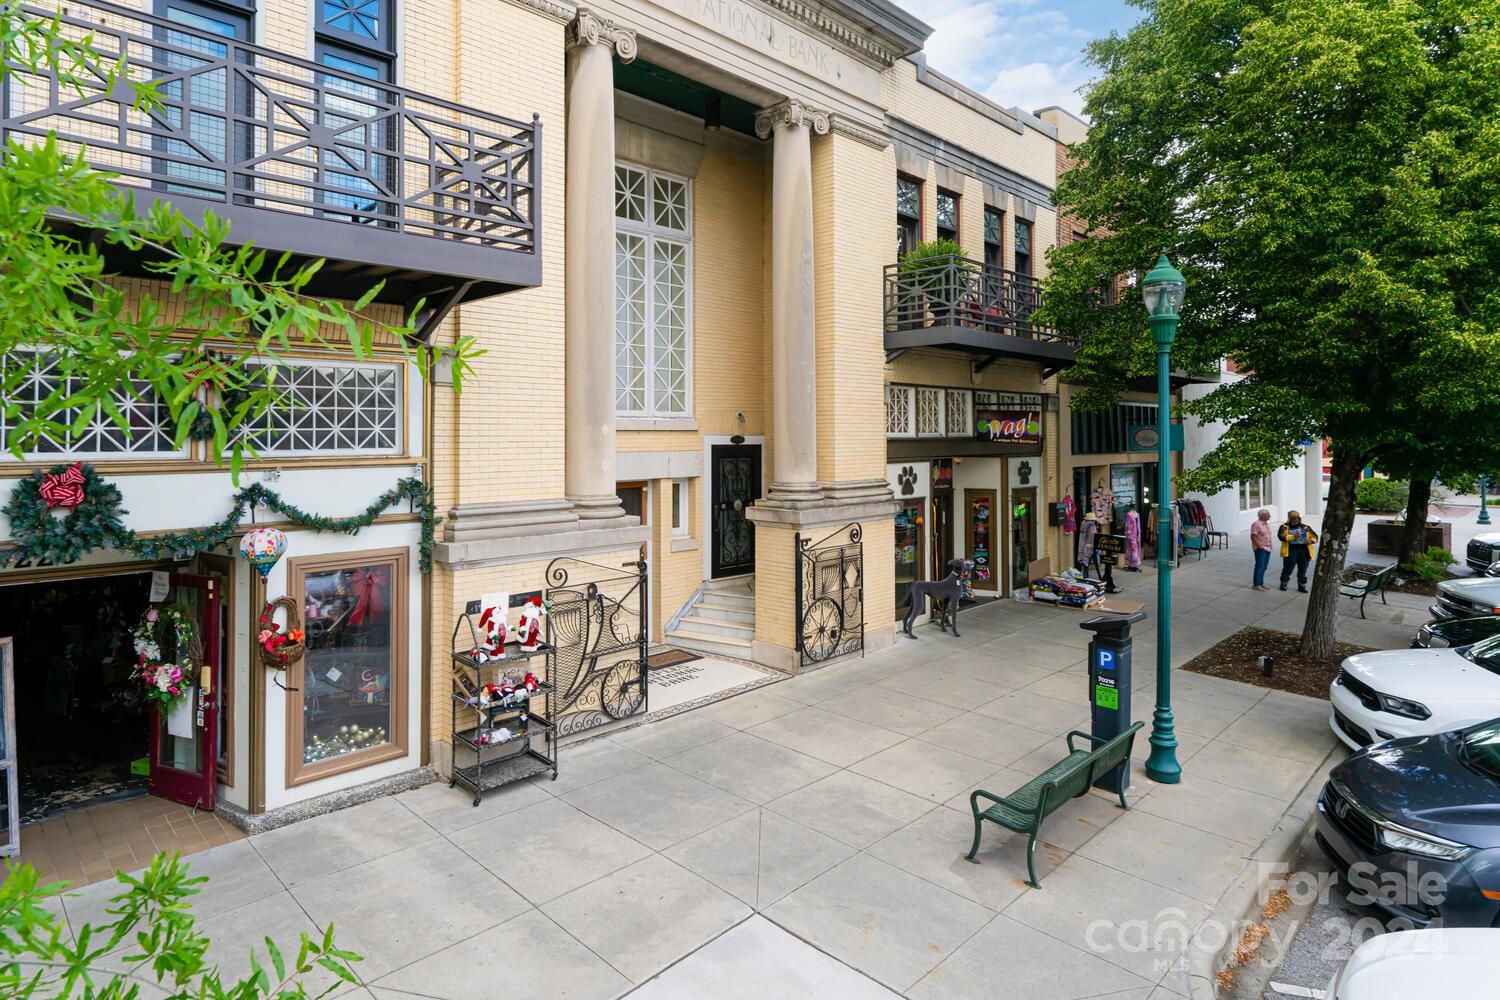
(1024, 809)
(1362, 581)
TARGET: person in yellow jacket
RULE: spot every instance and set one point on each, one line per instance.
(1297, 544)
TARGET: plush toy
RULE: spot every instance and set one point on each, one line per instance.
(529, 631)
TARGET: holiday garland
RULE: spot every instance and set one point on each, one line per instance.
(40, 538)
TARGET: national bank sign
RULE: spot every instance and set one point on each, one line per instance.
(758, 28)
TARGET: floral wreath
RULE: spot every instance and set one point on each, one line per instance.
(163, 682)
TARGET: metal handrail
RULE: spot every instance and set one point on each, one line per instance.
(244, 125)
(952, 290)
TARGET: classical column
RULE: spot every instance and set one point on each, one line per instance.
(589, 257)
(794, 353)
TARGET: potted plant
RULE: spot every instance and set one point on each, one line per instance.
(930, 280)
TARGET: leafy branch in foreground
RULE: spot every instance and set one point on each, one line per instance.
(151, 944)
(76, 342)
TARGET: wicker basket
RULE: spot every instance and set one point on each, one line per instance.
(289, 652)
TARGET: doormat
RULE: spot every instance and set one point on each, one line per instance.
(670, 658)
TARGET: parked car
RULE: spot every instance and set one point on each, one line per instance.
(1414, 692)
(1468, 596)
(1414, 828)
(1456, 632)
(1433, 962)
(1483, 551)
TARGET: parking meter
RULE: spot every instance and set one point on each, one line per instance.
(1109, 684)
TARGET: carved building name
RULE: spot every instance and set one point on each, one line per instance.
(767, 33)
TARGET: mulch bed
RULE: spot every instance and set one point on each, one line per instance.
(1402, 585)
(1236, 659)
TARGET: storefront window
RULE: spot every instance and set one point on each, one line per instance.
(352, 683)
(909, 521)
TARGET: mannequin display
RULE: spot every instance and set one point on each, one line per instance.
(1132, 541)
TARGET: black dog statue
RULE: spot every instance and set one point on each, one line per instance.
(944, 594)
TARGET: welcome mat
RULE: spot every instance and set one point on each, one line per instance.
(700, 681)
(670, 658)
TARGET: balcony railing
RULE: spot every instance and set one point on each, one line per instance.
(956, 302)
(297, 156)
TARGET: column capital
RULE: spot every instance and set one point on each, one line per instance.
(791, 112)
(588, 28)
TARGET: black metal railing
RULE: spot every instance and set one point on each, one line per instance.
(249, 127)
(596, 625)
(830, 594)
(955, 291)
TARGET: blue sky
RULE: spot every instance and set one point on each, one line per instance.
(1023, 53)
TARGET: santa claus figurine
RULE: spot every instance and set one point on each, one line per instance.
(529, 631)
(492, 625)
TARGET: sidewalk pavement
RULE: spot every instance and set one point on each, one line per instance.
(807, 839)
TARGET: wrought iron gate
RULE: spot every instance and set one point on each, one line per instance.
(596, 626)
(830, 587)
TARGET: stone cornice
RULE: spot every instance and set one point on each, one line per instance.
(791, 112)
(557, 10)
(588, 28)
(837, 30)
(853, 130)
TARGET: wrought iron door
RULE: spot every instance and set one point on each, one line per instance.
(735, 486)
(830, 591)
(595, 624)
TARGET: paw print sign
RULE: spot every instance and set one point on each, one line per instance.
(906, 480)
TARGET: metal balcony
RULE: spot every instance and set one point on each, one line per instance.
(381, 182)
(958, 303)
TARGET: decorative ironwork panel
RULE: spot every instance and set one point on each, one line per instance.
(956, 291)
(736, 536)
(246, 126)
(947, 211)
(908, 198)
(991, 226)
(595, 624)
(151, 429)
(960, 403)
(330, 408)
(929, 412)
(898, 411)
(830, 594)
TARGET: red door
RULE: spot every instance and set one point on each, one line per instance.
(184, 741)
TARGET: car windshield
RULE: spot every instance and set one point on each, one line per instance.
(1486, 653)
(1481, 748)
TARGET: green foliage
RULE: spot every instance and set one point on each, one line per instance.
(40, 539)
(1324, 172)
(929, 267)
(235, 310)
(162, 951)
(1380, 494)
(1432, 565)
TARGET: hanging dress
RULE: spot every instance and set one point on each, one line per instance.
(1132, 539)
(1070, 515)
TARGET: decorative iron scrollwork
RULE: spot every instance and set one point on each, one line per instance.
(596, 628)
(830, 593)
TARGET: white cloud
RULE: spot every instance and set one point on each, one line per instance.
(1039, 84)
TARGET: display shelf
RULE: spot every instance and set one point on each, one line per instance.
(484, 778)
(528, 752)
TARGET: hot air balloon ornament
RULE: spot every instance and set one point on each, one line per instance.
(263, 549)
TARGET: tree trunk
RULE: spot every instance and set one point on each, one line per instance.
(1414, 538)
(1338, 521)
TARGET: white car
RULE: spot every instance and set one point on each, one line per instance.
(1447, 962)
(1414, 692)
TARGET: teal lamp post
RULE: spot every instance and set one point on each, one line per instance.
(1163, 288)
(1484, 501)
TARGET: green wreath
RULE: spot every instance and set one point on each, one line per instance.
(43, 538)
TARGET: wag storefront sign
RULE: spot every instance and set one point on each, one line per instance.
(1017, 426)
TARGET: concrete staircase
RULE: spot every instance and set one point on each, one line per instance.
(721, 622)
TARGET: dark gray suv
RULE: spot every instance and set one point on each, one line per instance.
(1414, 826)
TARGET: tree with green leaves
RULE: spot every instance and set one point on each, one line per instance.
(206, 344)
(1326, 173)
(151, 947)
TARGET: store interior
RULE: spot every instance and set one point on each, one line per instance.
(79, 726)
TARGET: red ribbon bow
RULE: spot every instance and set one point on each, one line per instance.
(65, 488)
(369, 599)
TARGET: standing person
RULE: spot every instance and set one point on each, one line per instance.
(1297, 544)
(1260, 545)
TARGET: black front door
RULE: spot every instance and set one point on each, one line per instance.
(735, 476)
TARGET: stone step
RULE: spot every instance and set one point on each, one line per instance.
(727, 601)
(717, 628)
(709, 645)
(743, 615)
(730, 584)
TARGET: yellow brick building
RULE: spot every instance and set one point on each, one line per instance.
(674, 227)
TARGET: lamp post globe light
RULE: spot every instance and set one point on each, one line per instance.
(1163, 289)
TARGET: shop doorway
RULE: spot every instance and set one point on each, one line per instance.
(735, 485)
(85, 735)
(1023, 534)
(979, 527)
(942, 533)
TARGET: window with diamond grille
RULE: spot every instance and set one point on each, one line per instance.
(1023, 246)
(898, 411)
(908, 215)
(330, 409)
(929, 412)
(960, 407)
(994, 240)
(653, 274)
(150, 430)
